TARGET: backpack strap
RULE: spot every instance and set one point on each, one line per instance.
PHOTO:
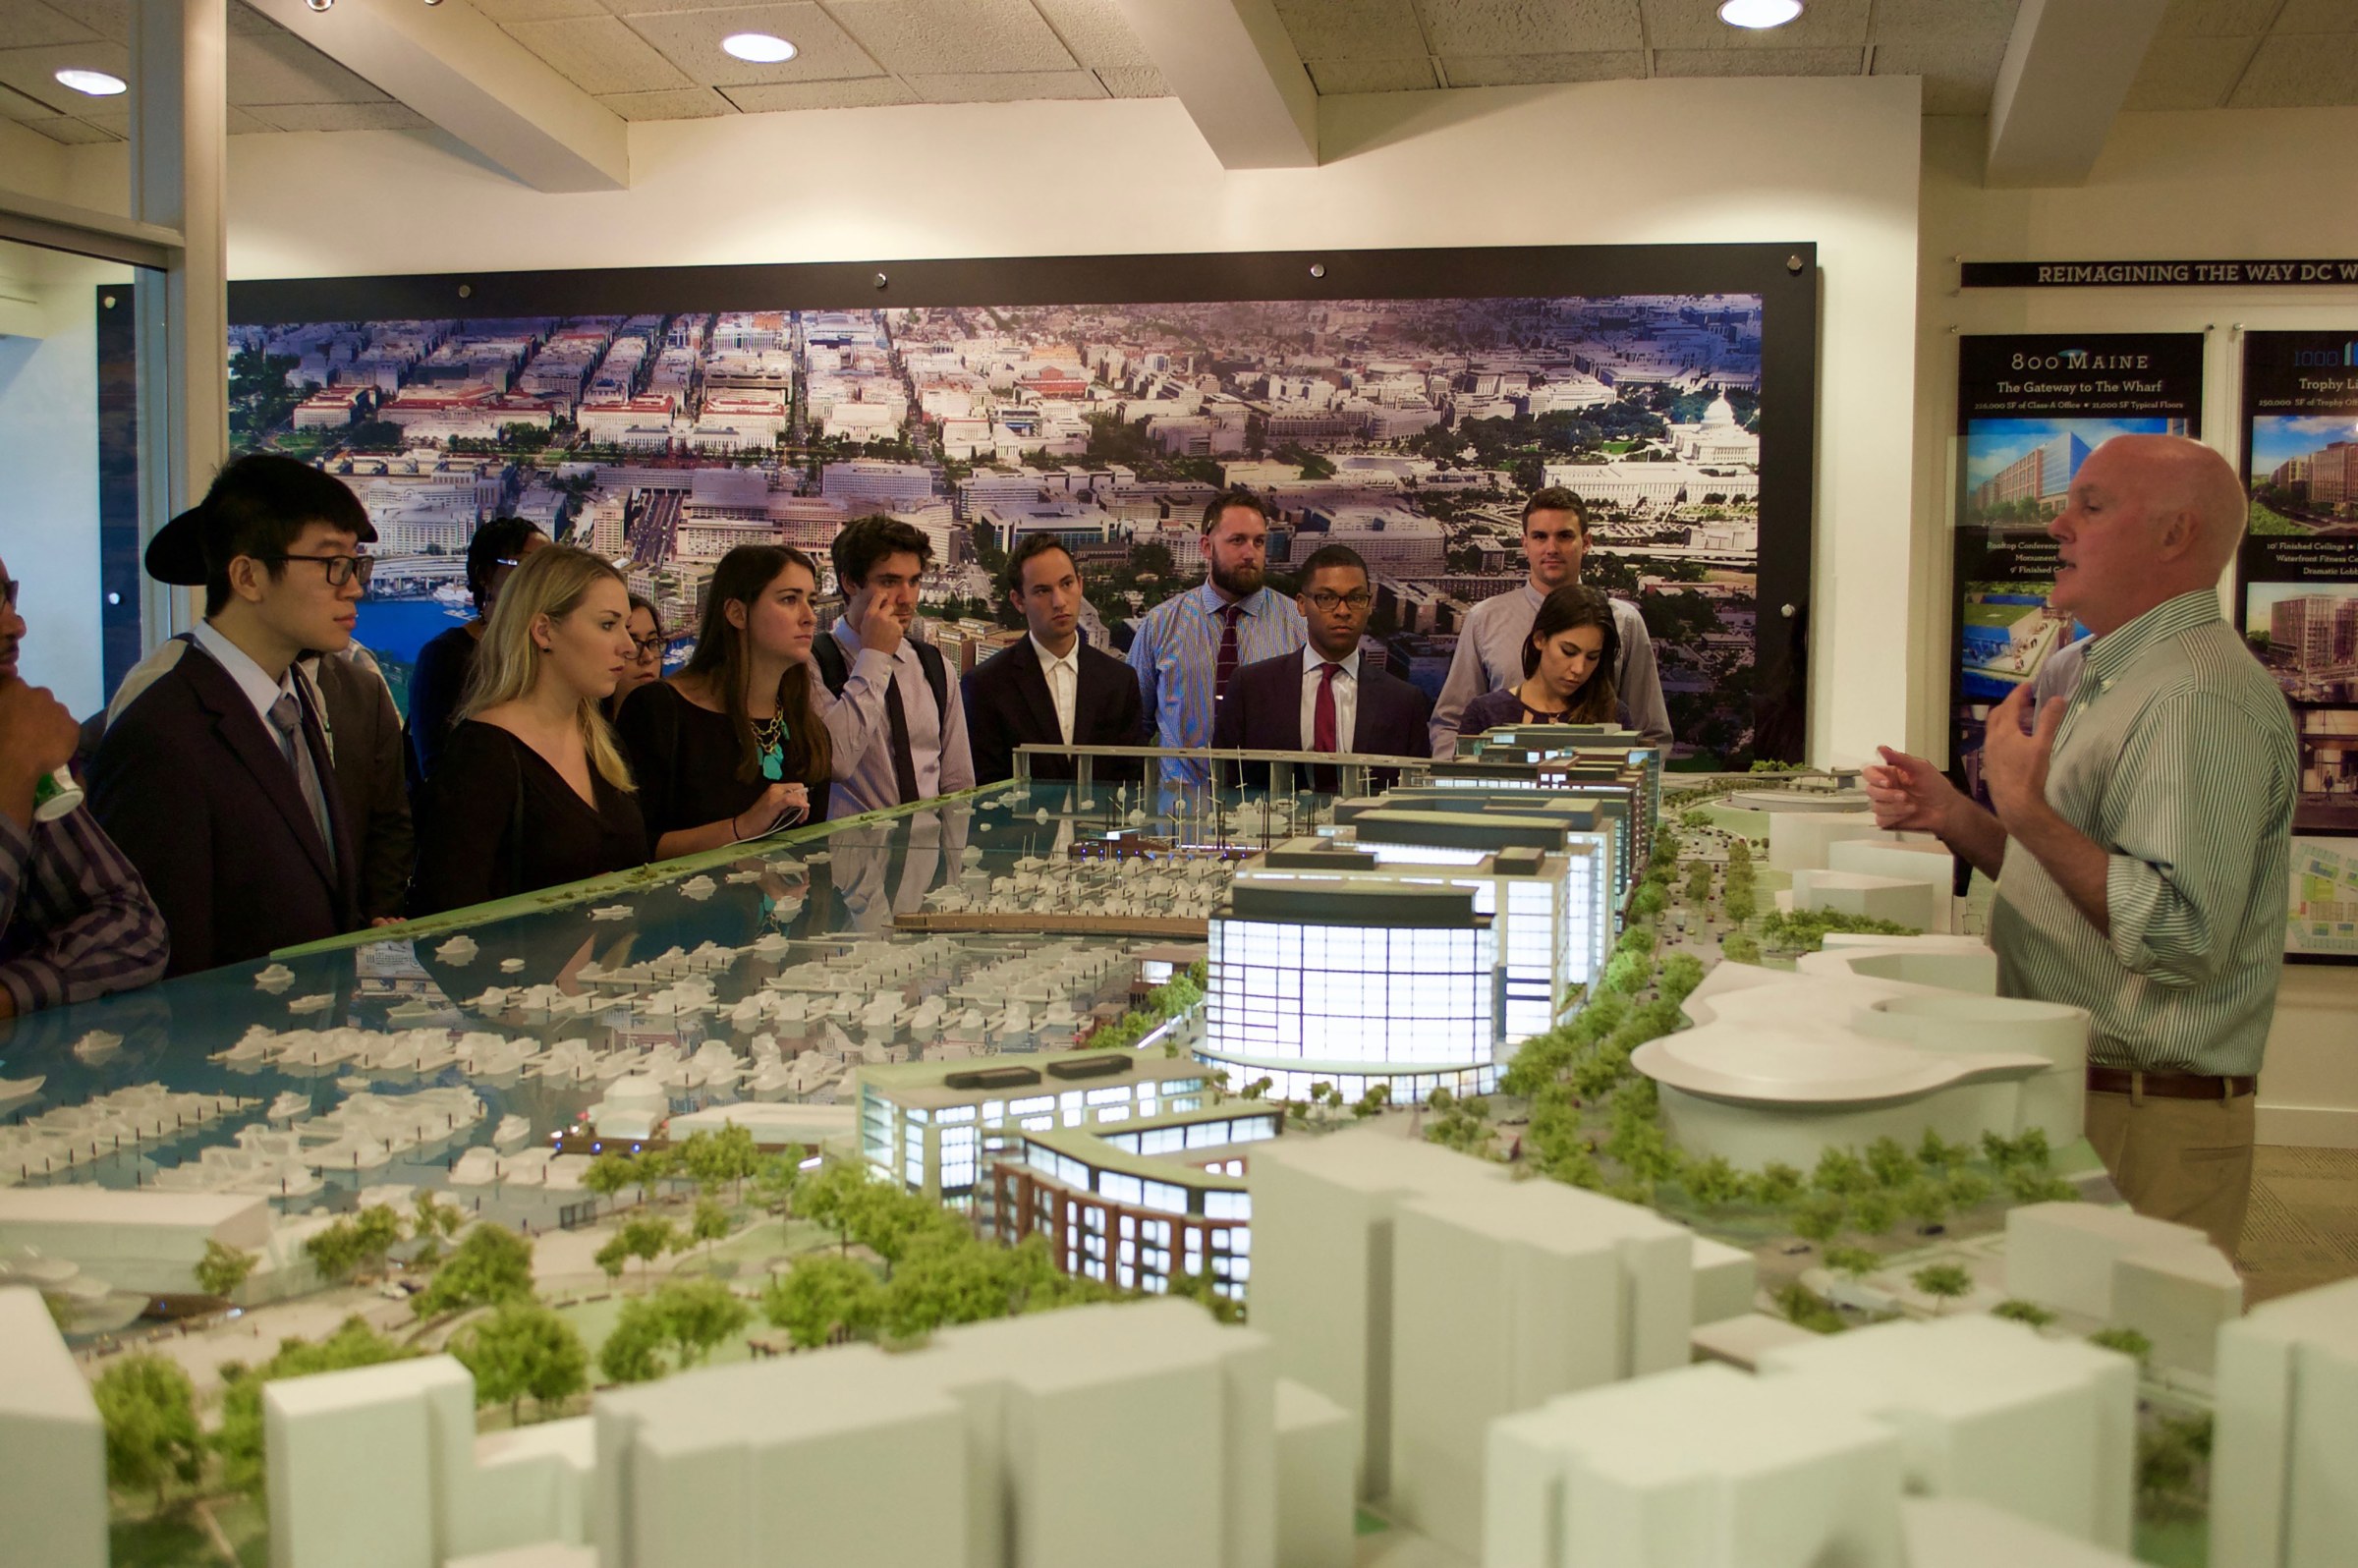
(937, 676)
(827, 650)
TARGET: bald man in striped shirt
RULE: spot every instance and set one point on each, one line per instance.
(2142, 829)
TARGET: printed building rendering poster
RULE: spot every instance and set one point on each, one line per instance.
(2297, 583)
(2029, 412)
(1403, 403)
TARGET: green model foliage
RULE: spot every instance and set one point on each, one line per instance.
(609, 1172)
(1806, 930)
(1804, 1309)
(710, 1223)
(819, 1298)
(647, 1238)
(1181, 993)
(1841, 1172)
(1944, 1282)
(1738, 948)
(222, 1269)
(1855, 1262)
(2127, 1341)
(148, 1409)
(1681, 972)
(1819, 1216)
(238, 1440)
(522, 1350)
(2171, 1456)
(1777, 1185)
(492, 1265)
(728, 1155)
(2023, 1311)
(1891, 1163)
(1874, 1212)
(687, 1317)
(1925, 1202)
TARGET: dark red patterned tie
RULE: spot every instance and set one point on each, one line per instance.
(1227, 662)
(1321, 731)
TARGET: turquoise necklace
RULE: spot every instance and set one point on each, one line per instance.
(770, 735)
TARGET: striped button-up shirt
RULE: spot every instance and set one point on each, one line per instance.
(75, 921)
(2176, 756)
(1176, 653)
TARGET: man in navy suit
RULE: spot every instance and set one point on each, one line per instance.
(1323, 698)
(1051, 688)
(216, 780)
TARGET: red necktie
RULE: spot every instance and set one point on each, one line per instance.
(1321, 730)
(1227, 661)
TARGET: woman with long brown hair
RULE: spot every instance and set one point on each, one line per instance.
(1567, 668)
(732, 747)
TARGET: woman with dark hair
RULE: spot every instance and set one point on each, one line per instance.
(1567, 668)
(439, 678)
(732, 747)
(647, 640)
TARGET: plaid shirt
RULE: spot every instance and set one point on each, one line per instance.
(75, 921)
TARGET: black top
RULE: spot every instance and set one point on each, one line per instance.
(1503, 709)
(685, 758)
(469, 847)
(436, 682)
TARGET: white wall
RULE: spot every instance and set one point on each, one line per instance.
(1829, 160)
(2240, 183)
(49, 457)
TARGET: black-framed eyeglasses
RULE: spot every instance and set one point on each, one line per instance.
(1330, 602)
(341, 569)
(7, 591)
(650, 646)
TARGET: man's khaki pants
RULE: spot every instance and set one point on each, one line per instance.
(2184, 1160)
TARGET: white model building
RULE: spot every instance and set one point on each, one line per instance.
(137, 1239)
(1782, 1067)
(1428, 1293)
(1801, 836)
(1917, 857)
(1914, 904)
(2285, 1454)
(2109, 1266)
(53, 1479)
(1392, 986)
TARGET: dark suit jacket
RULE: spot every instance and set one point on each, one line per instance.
(1007, 706)
(370, 776)
(1262, 713)
(197, 793)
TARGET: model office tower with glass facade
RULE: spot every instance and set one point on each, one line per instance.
(1385, 983)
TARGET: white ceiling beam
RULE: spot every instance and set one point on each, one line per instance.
(1232, 64)
(2067, 72)
(449, 63)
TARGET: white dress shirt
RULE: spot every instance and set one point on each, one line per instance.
(1346, 698)
(1063, 676)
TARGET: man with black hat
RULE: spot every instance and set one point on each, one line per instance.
(216, 780)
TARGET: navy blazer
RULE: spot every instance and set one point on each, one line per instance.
(1007, 706)
(1262, 713)
(199, 794)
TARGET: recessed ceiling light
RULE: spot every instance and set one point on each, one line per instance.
(1759, 13)
(762, 48)
(97, 84)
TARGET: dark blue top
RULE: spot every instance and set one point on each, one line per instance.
(436, 682)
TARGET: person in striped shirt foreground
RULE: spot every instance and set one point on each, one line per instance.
(75, 921)
(2142, 830)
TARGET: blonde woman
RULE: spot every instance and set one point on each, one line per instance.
(532, 790)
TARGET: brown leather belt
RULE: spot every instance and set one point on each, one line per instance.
(2168, 1085)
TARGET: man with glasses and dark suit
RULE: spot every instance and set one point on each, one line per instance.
(216, 780)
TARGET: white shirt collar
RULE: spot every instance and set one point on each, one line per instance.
(250, 676)
(1071, 660)
(1312, 659)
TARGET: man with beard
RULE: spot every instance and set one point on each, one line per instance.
(1187, 647)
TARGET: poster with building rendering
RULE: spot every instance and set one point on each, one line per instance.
(1411, 429)
(2297, 593)
(2030, 409)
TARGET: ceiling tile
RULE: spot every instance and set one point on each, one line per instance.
(2306, 71)
(1515, 70)
(1530, 27)
(1352, 29)
(113, 118)
(243, 17)
(33, 72)
(953, 37)
(280, 68)
(861, 93)
(14, 105)
(599, 55)
(29, 24)
(1953, 20)
(1097, 35)
(71, 132)
(1134, 81)
(691, 40)
(343, 116)
(2189, 73)
(505, 11)
(678, 103)
(1334, 77)
(1958, 74)
(242, 123)
(2314, 16)
(1004, 86)
(1758, 62)
(1695, 25)
(2218, 19)
(109, 18)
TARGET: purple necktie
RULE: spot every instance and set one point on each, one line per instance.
(1227, 661)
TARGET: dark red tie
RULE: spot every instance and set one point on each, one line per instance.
(1227, 662)
(1321, 730)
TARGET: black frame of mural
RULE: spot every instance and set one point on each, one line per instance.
(1784, 276)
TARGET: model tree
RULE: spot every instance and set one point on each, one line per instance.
(523, 1349)
(613, 1257)
(709, 1224)
(222, 1269)
(335, 1252)
(727, 1155)
(2023, 1311)
(148, 1408)
(634, 1350)
(1891, 1162)
(820, 1297)
(2127, 1341)
(1874, 1212)
(831, 1197)
(1944, 1282)
(492, 1265)
(434, 1223)
(696, 1315)
(646, 1239)
(609, 1172)
(376, 1231)
(1854, 1262)
(1818, 1217)
(774, 1182)
(1777, 1184)
(1926, 1202)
